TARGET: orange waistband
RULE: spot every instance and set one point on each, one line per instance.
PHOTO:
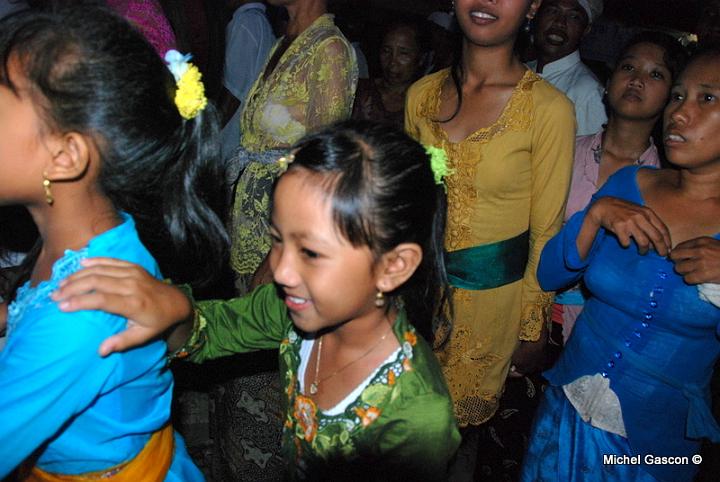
(150, 465)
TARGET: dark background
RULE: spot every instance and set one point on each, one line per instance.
(674, 14)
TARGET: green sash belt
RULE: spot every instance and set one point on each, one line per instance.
(489, 265)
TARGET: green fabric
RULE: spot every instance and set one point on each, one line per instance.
(489, 265)
(415, 434)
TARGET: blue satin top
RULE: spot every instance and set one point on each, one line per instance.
(83, 412)
(645, 329)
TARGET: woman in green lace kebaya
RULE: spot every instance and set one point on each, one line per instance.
(357, 227)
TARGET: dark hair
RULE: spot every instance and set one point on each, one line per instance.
(705, 51)
(418, 26)
(91, 72)
(383, 193)
(674, 55)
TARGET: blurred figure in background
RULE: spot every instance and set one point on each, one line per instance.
(403, 56)
(150, 18)
(10, 6)
(708, 27)
(559, 28)
(445, 40)
(248, 40)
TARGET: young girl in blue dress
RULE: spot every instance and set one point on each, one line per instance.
(357, 227)
(107, 151)
(629, 396)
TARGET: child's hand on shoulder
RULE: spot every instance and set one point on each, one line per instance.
(150, 305)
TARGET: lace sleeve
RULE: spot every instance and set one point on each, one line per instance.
(332, 83)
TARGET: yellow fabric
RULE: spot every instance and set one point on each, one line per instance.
(312, 85)
(150, 465)
(509, 177)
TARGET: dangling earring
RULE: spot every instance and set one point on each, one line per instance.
(48, 193)
(379, 299)
(528, 25)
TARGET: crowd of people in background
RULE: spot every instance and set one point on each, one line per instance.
(510, 253)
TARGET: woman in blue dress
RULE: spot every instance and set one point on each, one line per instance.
(629, 397)
(104, 148)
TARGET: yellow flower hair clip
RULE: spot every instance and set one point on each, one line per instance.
(190, 94)
(285, 161)
(439, 164)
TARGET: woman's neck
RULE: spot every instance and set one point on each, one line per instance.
(301, 16)
(627, 138)
(495, 64)
(392, 89)
(700, 184)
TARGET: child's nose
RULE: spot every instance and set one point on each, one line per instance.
(284, 272)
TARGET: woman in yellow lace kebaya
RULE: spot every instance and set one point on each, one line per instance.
(309, 82)
(509, 138)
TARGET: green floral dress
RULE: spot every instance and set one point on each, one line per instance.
(400, 426)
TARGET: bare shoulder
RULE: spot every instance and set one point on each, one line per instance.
(651, 180)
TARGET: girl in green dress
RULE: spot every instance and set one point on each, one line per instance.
(357, 227)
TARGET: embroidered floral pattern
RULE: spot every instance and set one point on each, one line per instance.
(326, 436)
(305, 415)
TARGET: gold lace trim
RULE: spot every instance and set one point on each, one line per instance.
(466, 361)
(536, 316)
(464, 157)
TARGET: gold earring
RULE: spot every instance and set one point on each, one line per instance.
(379, 299)
(48, 193)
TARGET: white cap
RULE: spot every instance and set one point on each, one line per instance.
(593, 8)
(442, 19)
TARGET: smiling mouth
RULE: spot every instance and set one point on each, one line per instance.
(296, 303)
(482, 15)
(555, 37)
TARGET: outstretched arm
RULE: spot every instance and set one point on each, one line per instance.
(151, 306)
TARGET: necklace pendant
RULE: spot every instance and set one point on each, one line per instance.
(313, 388)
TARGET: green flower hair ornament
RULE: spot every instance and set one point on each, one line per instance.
(190, 94)
(439, 164)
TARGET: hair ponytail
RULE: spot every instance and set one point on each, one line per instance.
(194, 201)
(95, 74)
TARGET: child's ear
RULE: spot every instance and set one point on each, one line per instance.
(70, 157)
(398, 265)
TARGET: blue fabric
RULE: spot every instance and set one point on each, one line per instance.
(573, 296)
(563, 448)
(646, 330)
(92, 412)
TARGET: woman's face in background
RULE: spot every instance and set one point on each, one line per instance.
(400, 56)
(640, 84)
